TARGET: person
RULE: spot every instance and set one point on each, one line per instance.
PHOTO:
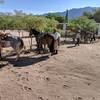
(78, 36)
(57, 36)
(93, 36)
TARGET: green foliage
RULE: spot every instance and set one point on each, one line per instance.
(89, 15)
(97, 16)
(84, 23)
(62, 32)
(21, 21)
(57, 17)
(51, 24)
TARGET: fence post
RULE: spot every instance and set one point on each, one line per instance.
(22, 34)
(19, 32)
(31, 43)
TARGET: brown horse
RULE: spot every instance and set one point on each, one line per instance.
(44, 39)
(51, 43)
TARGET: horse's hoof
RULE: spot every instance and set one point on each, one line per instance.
(52, 54)
(56, 52)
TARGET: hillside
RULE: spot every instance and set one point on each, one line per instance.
(76, 12)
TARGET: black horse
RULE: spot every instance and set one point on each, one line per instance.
(44, 39)
(36, 35)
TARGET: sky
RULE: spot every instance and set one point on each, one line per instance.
(45, 6)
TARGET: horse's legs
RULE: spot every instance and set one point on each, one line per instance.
(58, 41)
(18, 55)
(44, 49)
(56, 51)
(91, 39)
(94, 38)
(18, 51)
(38, 42)
(73, 40)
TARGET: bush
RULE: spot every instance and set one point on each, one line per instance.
(84, 23)
(25, 22)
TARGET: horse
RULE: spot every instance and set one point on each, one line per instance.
(85, 36)
(8, 40)
(44, 39)
(36, 35)
(88, 36)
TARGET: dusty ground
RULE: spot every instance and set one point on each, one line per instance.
(73, 74)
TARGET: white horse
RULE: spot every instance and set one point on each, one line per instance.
(8, 40)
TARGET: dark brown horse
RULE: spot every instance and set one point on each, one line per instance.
(86, 36)
(44, 39)
(36, 34)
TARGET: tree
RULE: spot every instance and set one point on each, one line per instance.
(19, 13)
(89, 15)
(97, 16)
(20, 21)
(55, 16)
(84, 23)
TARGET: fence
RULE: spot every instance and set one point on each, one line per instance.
(28, 42)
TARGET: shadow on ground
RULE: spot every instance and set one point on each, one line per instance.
(69, 41)
(3, 65)
(72, 46)
(26, 61)
(66, 42)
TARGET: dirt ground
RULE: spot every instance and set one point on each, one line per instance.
(73, 74)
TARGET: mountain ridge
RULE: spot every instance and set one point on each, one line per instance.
(76, 12)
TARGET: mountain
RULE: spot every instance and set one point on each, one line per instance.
(76, 12)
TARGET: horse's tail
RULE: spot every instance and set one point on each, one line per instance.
(51, 47)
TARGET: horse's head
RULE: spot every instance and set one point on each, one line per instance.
(33, 32)
(2, 36)
(5, 36)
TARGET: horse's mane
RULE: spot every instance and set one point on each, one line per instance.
(40, 34)
(2, 35)
(34, 32)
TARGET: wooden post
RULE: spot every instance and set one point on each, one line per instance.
(22, 34)
(66, 21)
(98, 29)
(31, 43)
(64, 28)
(19, 32)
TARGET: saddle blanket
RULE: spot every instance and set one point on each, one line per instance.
(56, 35)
